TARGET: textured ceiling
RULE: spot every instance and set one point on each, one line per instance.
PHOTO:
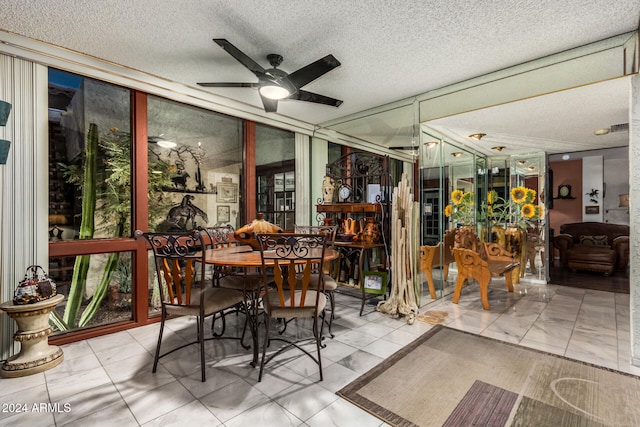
(389, 49)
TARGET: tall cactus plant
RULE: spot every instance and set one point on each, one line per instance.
(87, 226)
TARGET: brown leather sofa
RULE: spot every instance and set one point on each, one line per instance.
(593, 246)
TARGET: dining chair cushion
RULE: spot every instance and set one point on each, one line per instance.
(215, 300)
(240, 282)
(284, 311)
(329, 282)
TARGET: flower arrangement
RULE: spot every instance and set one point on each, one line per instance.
(519, 210)
(462, 207)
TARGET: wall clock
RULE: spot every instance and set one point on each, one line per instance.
(344, 192)
(564, 191)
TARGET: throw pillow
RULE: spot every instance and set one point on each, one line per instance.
(594, 240)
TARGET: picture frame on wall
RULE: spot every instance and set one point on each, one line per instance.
(223, 213)
(227, 192)
(591, 210)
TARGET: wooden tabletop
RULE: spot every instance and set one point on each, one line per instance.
(244, 256)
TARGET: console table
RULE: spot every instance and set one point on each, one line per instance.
(36, 355)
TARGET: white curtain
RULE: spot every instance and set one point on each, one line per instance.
(24, 195)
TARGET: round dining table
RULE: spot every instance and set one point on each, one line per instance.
(245, 257)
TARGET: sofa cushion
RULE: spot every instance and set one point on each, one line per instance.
(594, 240)
(592, 253)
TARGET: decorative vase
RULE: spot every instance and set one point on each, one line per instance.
(246, 234)
(5, 109)
(328, 187)
(4, 151)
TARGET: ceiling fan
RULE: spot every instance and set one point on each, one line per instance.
(274, 84)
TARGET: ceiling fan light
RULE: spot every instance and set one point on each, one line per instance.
(274, 92)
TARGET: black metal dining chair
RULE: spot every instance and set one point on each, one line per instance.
(327, 268)
(293, 292)
(184, 291)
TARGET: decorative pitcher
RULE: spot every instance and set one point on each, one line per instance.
(369, 233)
(350, 226)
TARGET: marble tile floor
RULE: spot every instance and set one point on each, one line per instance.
(108, 381)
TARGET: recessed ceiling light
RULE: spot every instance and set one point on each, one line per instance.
(498, 148)
(431, 143)
(531, 168)
(166, 144)
(566, 157)
(602, 131)
(477, 136)
(456, 154)
(522, 162)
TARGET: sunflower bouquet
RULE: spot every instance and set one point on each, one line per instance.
(462, 207)
(519, 210)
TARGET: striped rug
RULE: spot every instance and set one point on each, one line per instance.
(447, 377)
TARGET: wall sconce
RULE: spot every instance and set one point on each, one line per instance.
(624, 201)
(5, 110)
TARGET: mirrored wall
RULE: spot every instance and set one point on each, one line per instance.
(498, 199)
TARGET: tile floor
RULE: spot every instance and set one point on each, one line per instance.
(108, 380)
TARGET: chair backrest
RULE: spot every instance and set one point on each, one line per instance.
(329, 230)
(179, 259)
(219, 236)
(292, 257)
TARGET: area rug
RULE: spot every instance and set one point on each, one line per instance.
(448, 377)
(433, 317)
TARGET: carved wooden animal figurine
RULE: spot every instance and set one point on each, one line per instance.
(246, 235)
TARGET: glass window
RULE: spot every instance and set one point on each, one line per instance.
(105, 297)
(195, 167)
(275, 170)
(89, 158)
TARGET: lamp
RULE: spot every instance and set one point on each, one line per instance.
(477, 136)
(273, 91)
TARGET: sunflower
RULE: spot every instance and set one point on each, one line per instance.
(456, 196)
(528, 210)
(531, 195)
(519, 194)
(492, 197)
(448, 210)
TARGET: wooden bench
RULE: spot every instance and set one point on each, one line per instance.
(481, 261)
(436, 256)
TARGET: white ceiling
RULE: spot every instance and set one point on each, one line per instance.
(389, 50)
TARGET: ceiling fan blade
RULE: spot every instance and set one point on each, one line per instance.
(303, 95)
(314, 70)
(241, 57)
(270, 105)
(229, 84)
